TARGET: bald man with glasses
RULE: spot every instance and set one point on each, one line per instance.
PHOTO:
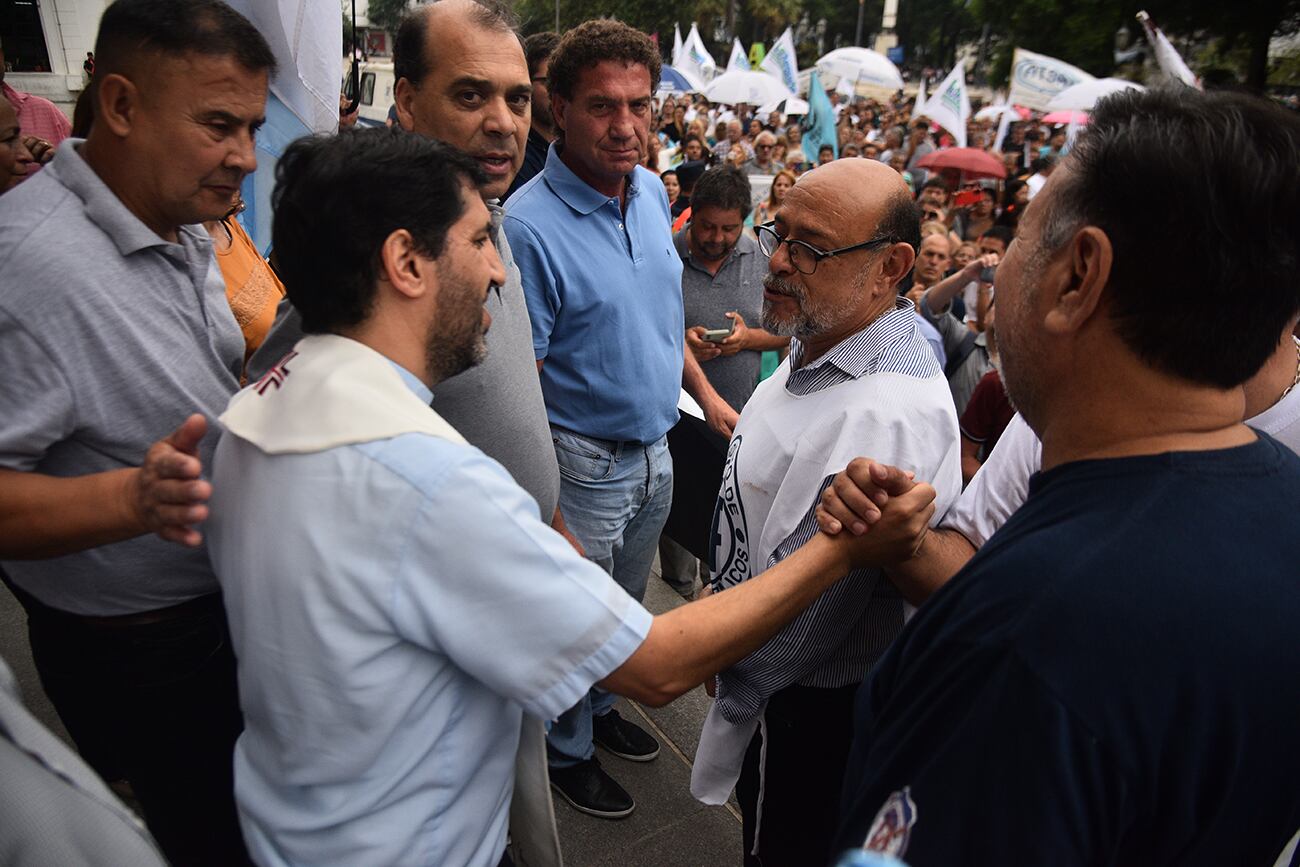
(859, 377)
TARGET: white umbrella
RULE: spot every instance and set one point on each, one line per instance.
(861, 66)
(1084, 95)
(791, 106)
(740, 85)
(995, 112)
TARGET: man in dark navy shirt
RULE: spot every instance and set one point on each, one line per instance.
(1115, 677)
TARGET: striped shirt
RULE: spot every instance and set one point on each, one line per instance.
(878, 393)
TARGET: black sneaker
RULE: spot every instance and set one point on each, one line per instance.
(590, 790)
(622, 738)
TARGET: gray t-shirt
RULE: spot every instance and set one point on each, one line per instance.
(497, 405)
(707, 298)
(109, 338)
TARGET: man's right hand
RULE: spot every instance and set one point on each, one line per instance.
(702, 349)
(977, 265)
(889, 516)
(721, 418)
(856, 495)
(168, 496)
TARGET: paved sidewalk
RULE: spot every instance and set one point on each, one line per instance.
(669, 827)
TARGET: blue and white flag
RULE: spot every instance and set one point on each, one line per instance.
(781, 61)
(695, 59)
(739, 59)
(949, 106)
(308, 44)
(819, 124)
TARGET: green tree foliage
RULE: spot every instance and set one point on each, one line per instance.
(1084, 33)
(931, 30)
(385, 14)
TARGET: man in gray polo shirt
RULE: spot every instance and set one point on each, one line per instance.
(722, 281)
(114, 330)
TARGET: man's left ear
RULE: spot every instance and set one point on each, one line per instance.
(403, 268)
(898, 260)
(1089, 264)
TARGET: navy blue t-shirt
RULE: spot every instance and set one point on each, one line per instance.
(1113, 679)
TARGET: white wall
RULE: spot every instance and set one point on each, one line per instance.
(70, 27)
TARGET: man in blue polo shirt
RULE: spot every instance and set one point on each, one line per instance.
(603, 282)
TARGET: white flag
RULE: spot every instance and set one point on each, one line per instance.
(695, 59)
(950, 106)
(677, 45)
(1170, 61)
(738, 59)
(307, 42)
(781, 61)
(920, 99)
(1003, 125)
(1036, 78)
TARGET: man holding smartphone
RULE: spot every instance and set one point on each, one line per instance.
(722, 288)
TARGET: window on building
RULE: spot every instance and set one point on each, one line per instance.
(21, 36)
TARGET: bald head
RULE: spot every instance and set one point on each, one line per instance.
(418, 35)
(857, 195)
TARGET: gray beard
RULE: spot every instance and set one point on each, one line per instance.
(811, 320)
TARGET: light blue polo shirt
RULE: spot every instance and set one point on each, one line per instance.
(604, 292)
(395, 607)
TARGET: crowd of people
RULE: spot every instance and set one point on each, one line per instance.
(339, 558)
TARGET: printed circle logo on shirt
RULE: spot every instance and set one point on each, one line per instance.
(729, 536)
(892, 828)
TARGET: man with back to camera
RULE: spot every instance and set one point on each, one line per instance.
(1157, 536)
(391, 680)
(461, 78)
(115, 329)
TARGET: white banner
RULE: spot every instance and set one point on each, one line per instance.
(738, 59)
(1036, 78)
(950, 105)
(781, 61)
(677, 45)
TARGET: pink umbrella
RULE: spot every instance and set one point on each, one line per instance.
(1075, 117)
(971, 162)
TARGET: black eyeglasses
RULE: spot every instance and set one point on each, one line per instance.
(804, 256)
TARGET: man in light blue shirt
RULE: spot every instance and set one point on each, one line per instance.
(396, 603)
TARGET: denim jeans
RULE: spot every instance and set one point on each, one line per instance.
(615, 499)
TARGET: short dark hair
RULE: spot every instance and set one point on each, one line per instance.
(1179, 170)
(725, 187)
(901, 221)
(593, 41)
(412, 53)
(132, 29)
(935, 182)
(539, 47)
(337, 198)
(825, 147)
(1000, 233)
